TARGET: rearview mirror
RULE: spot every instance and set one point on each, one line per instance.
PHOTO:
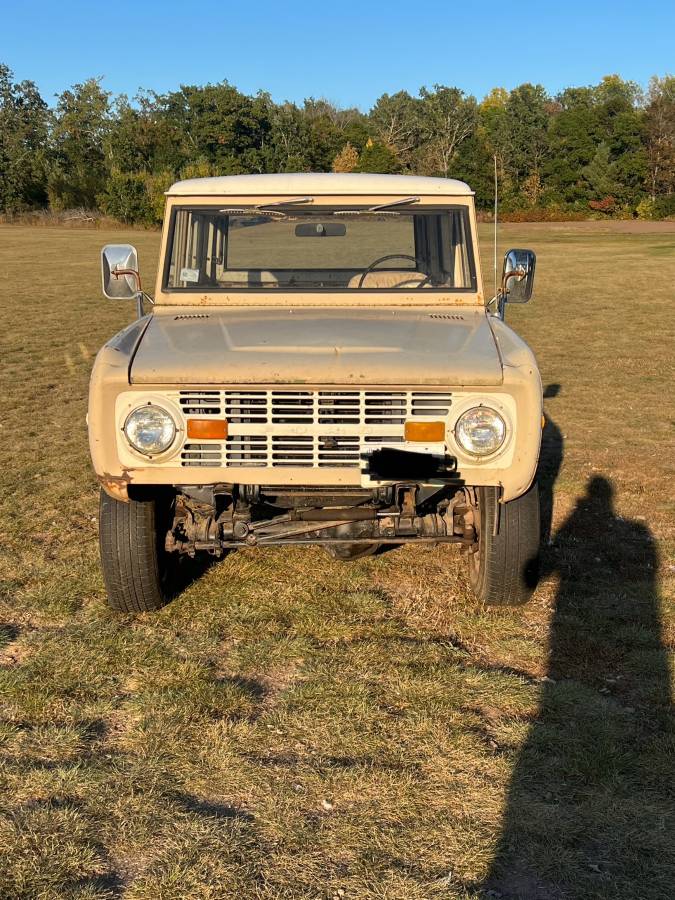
(518, 275)
(119, 272)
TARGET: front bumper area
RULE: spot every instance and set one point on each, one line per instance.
(312, 435)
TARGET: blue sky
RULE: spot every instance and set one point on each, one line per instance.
(350, 52)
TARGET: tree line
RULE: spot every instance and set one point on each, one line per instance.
(606, 149)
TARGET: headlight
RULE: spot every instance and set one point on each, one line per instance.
(480, 431)
(150, 429)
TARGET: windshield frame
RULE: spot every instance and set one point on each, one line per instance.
(302, 295)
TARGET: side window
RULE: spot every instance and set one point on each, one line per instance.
(442, 243)
(459, 248)
(198, 249)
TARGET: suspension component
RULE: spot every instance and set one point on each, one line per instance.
(246, 518)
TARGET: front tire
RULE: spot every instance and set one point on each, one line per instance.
(136, 567)
(503, 567)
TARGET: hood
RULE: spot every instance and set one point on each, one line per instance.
(317, 346)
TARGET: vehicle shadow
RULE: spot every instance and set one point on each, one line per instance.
(184, 571)
(590, 811)
(550, 462)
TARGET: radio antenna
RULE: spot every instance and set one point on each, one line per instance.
(495, 221)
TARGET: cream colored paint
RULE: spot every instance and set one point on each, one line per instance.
(512, 385)
(335, 346)
(317, 299)
(302, 184)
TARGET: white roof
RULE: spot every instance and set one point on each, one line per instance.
(321, 183)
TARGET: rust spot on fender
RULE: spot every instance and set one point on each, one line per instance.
(116, 486)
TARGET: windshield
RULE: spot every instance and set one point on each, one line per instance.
(251, 248)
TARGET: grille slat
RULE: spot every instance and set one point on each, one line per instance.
(246, 450)
(201, 455)
(242, 407)
(201, 403)
(430, 404)
(315, 413)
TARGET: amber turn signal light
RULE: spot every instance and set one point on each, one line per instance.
(207, 429)
(426, 432)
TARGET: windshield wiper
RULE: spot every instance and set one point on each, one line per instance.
(286, 202)
(382, 209)
(263, 208)
(252, 211)
(403, 202)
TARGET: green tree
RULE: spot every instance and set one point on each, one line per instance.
(397, 124)
(583, 146)
(78, 166)
(494, 127)
(527, 141)
(448, 117)
(614, 95)
(126, 198)
(619, 106)
(140, 138)
(377, 157)
(23, 138)
(330, 129)
(156, 185)
(660, 136)
(492, 141)
(599, 174)
(474, 164)
(288, 139)
(219, 124)
(575, 131)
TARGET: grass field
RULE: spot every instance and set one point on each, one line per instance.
(297, 727)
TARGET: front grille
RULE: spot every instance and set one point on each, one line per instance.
(201, 403)
(201, 455)
(305, 428)
(245, 406)
(246, 450)
(322, 407)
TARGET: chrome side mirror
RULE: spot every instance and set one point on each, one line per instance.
(119, 272)
(518, 275)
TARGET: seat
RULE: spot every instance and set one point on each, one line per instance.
(388, 279)
(250, 278)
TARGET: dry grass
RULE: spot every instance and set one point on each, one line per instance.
(297, 727)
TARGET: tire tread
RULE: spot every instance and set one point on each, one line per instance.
(508, 559)
(130, 555)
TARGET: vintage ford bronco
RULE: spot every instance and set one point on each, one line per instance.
(320, 366)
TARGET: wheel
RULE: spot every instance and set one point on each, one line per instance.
(137, 569)
(503, 567)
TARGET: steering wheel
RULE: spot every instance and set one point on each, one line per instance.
(384, 259)
(421, 284)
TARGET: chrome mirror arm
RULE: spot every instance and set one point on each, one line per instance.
(141, 296)
(497, 306)
(140, 293)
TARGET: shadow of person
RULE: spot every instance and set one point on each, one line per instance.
(550, 462)
(590, 808)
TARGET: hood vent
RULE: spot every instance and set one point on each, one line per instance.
(446, 316)
(191, 316)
